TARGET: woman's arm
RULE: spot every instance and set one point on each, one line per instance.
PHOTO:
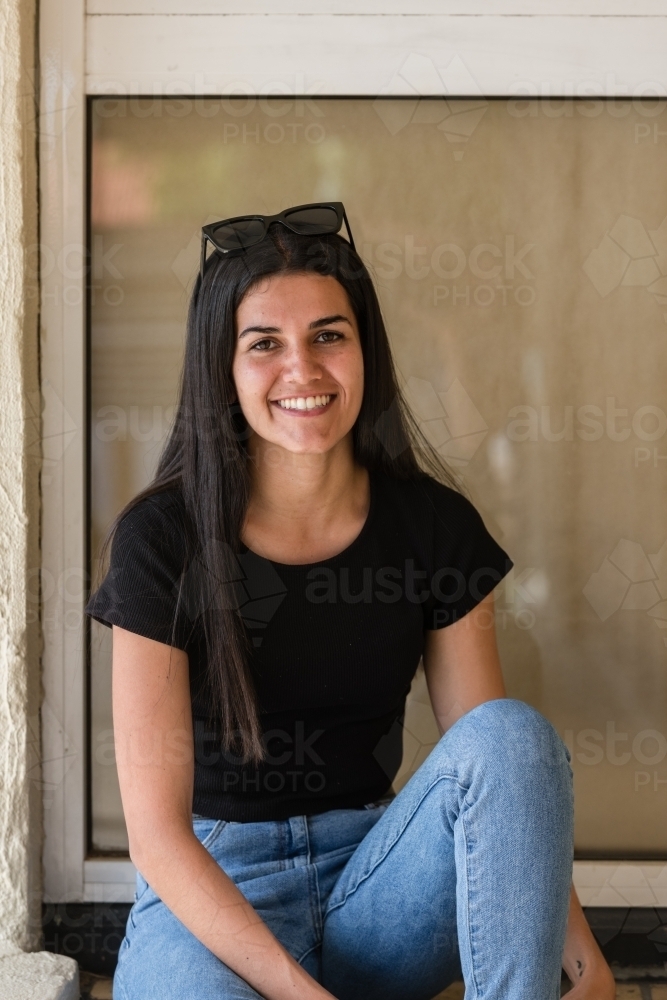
(155, 756)
(462, 665)
(463, 670)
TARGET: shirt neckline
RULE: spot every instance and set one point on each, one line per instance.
(360, 538)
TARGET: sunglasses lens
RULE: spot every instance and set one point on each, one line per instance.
(234, 235)
(313, 220)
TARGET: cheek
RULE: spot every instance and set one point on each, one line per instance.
(356, 372)
(251, 380)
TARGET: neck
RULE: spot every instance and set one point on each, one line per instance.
(297, 487)
(304, 507)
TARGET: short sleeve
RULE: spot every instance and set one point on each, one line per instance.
(141, 589)
(468, 563)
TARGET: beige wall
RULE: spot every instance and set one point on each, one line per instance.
(20, 793)
(520, 255)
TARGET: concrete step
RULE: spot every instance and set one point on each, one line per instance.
(37, 975)
(98, 988)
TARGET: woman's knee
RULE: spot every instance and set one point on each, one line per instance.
(506, 731)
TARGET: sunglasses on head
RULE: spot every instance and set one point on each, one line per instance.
(232, 236)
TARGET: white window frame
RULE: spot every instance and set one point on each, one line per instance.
(198, 47)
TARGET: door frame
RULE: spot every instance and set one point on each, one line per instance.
(302, 48)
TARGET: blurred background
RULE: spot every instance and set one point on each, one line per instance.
(519, 249)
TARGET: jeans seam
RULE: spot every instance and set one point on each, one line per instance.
(117, 989)
(306, 833)
(307, 952)
(469, 945)
(440, 777)
(284, 864)
(219, 826)
(316, 905)
(313, 887)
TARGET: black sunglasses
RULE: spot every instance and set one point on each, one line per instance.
(232, 236)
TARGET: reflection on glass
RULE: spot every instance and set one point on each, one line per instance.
(519, 258)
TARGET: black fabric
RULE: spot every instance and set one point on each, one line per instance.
(335, 645)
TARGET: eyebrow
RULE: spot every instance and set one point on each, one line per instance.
(323, 321)
(339, 318)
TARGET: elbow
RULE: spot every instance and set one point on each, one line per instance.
(135, 853)
(137, 850)
(147, 845)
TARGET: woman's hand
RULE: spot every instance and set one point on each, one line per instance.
(583, 961)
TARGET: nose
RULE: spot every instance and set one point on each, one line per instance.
(300, 366)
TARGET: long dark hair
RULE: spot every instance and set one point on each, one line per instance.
(206, 456)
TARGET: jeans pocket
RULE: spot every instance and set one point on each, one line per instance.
(207, 830)
(141, 886)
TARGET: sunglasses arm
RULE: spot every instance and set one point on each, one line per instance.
(202, 256)
(349, 231)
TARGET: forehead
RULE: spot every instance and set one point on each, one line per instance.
(306, 296)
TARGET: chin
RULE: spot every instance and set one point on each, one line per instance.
(306, 446)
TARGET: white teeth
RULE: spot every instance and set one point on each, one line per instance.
(304, 402)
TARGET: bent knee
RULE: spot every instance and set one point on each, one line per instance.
(506, 730)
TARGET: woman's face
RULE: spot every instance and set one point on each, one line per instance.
(298, 367)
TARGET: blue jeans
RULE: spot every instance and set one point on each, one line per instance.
(466, 872)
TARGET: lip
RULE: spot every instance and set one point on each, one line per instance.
(316, 412)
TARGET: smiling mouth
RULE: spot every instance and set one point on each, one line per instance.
(305, 405)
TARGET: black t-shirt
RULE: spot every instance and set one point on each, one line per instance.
(334, 644)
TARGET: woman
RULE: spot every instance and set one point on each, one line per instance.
(271, 595)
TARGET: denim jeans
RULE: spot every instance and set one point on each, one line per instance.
(466, 872)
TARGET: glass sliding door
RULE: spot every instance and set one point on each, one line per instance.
(520, 253)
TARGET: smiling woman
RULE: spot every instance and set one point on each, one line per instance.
(227, 439)
(300, 385)
(258, 723)
(301, 358)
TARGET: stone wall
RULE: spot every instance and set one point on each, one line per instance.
(20, 794)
